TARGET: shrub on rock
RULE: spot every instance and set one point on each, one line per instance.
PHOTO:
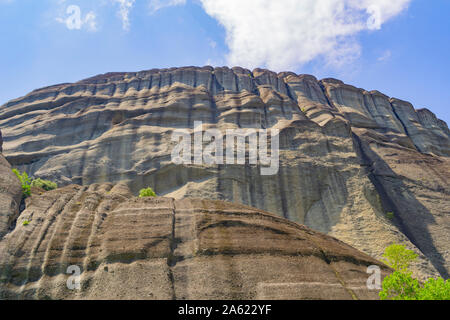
(44, 184)
(25, 181)
(148, 192)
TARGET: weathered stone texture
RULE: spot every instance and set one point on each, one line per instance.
(345, 154)
(161, 248)
(10, 195)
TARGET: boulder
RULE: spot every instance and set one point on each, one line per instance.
(161, 248)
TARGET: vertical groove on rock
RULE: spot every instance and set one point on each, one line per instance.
(289, 93)
(150, 82)
(92, 234)
(171, 259)
(71, 221)
(34, 247)
(404, 126)
(283, 199)
(327, 97)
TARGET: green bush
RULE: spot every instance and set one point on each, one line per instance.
(26, 222)
(148, 192)
(25, 181)
(402, 286)
(390, 215)
(399, 286)
(44, 184)
(435, 289)
(398, 257)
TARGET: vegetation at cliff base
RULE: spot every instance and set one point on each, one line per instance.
(401, 285)
(148, 192)
(27, 183)
(44, 184)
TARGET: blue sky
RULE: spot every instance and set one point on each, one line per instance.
(399, 47)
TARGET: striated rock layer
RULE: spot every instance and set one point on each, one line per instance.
(161, 248)
(347, 156)
(10, 195)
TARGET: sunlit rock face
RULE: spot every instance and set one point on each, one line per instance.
(347, 156)
(130, 248)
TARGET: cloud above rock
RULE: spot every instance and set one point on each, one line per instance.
(286, 34)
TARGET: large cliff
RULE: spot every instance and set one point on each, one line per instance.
(347, 156)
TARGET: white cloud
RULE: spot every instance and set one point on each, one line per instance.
(156, 5)
(280, 34)
(284, 34)
(124, 12)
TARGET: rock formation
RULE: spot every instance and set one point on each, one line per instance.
(10, 195)
(161, 248)
(347, 156)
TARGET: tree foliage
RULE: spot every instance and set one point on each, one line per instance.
(398, 257)
(435, 289)
(402, 286)
(399, 286)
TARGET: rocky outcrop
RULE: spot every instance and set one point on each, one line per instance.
(396, 119)
(345, 153)
(161, 248)
(10, 195)
(398, 146)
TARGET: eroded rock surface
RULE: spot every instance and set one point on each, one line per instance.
(161, 248)
(345, 153)
(10, 195)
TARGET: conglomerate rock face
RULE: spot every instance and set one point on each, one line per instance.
(161, 248)
(347, 156)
